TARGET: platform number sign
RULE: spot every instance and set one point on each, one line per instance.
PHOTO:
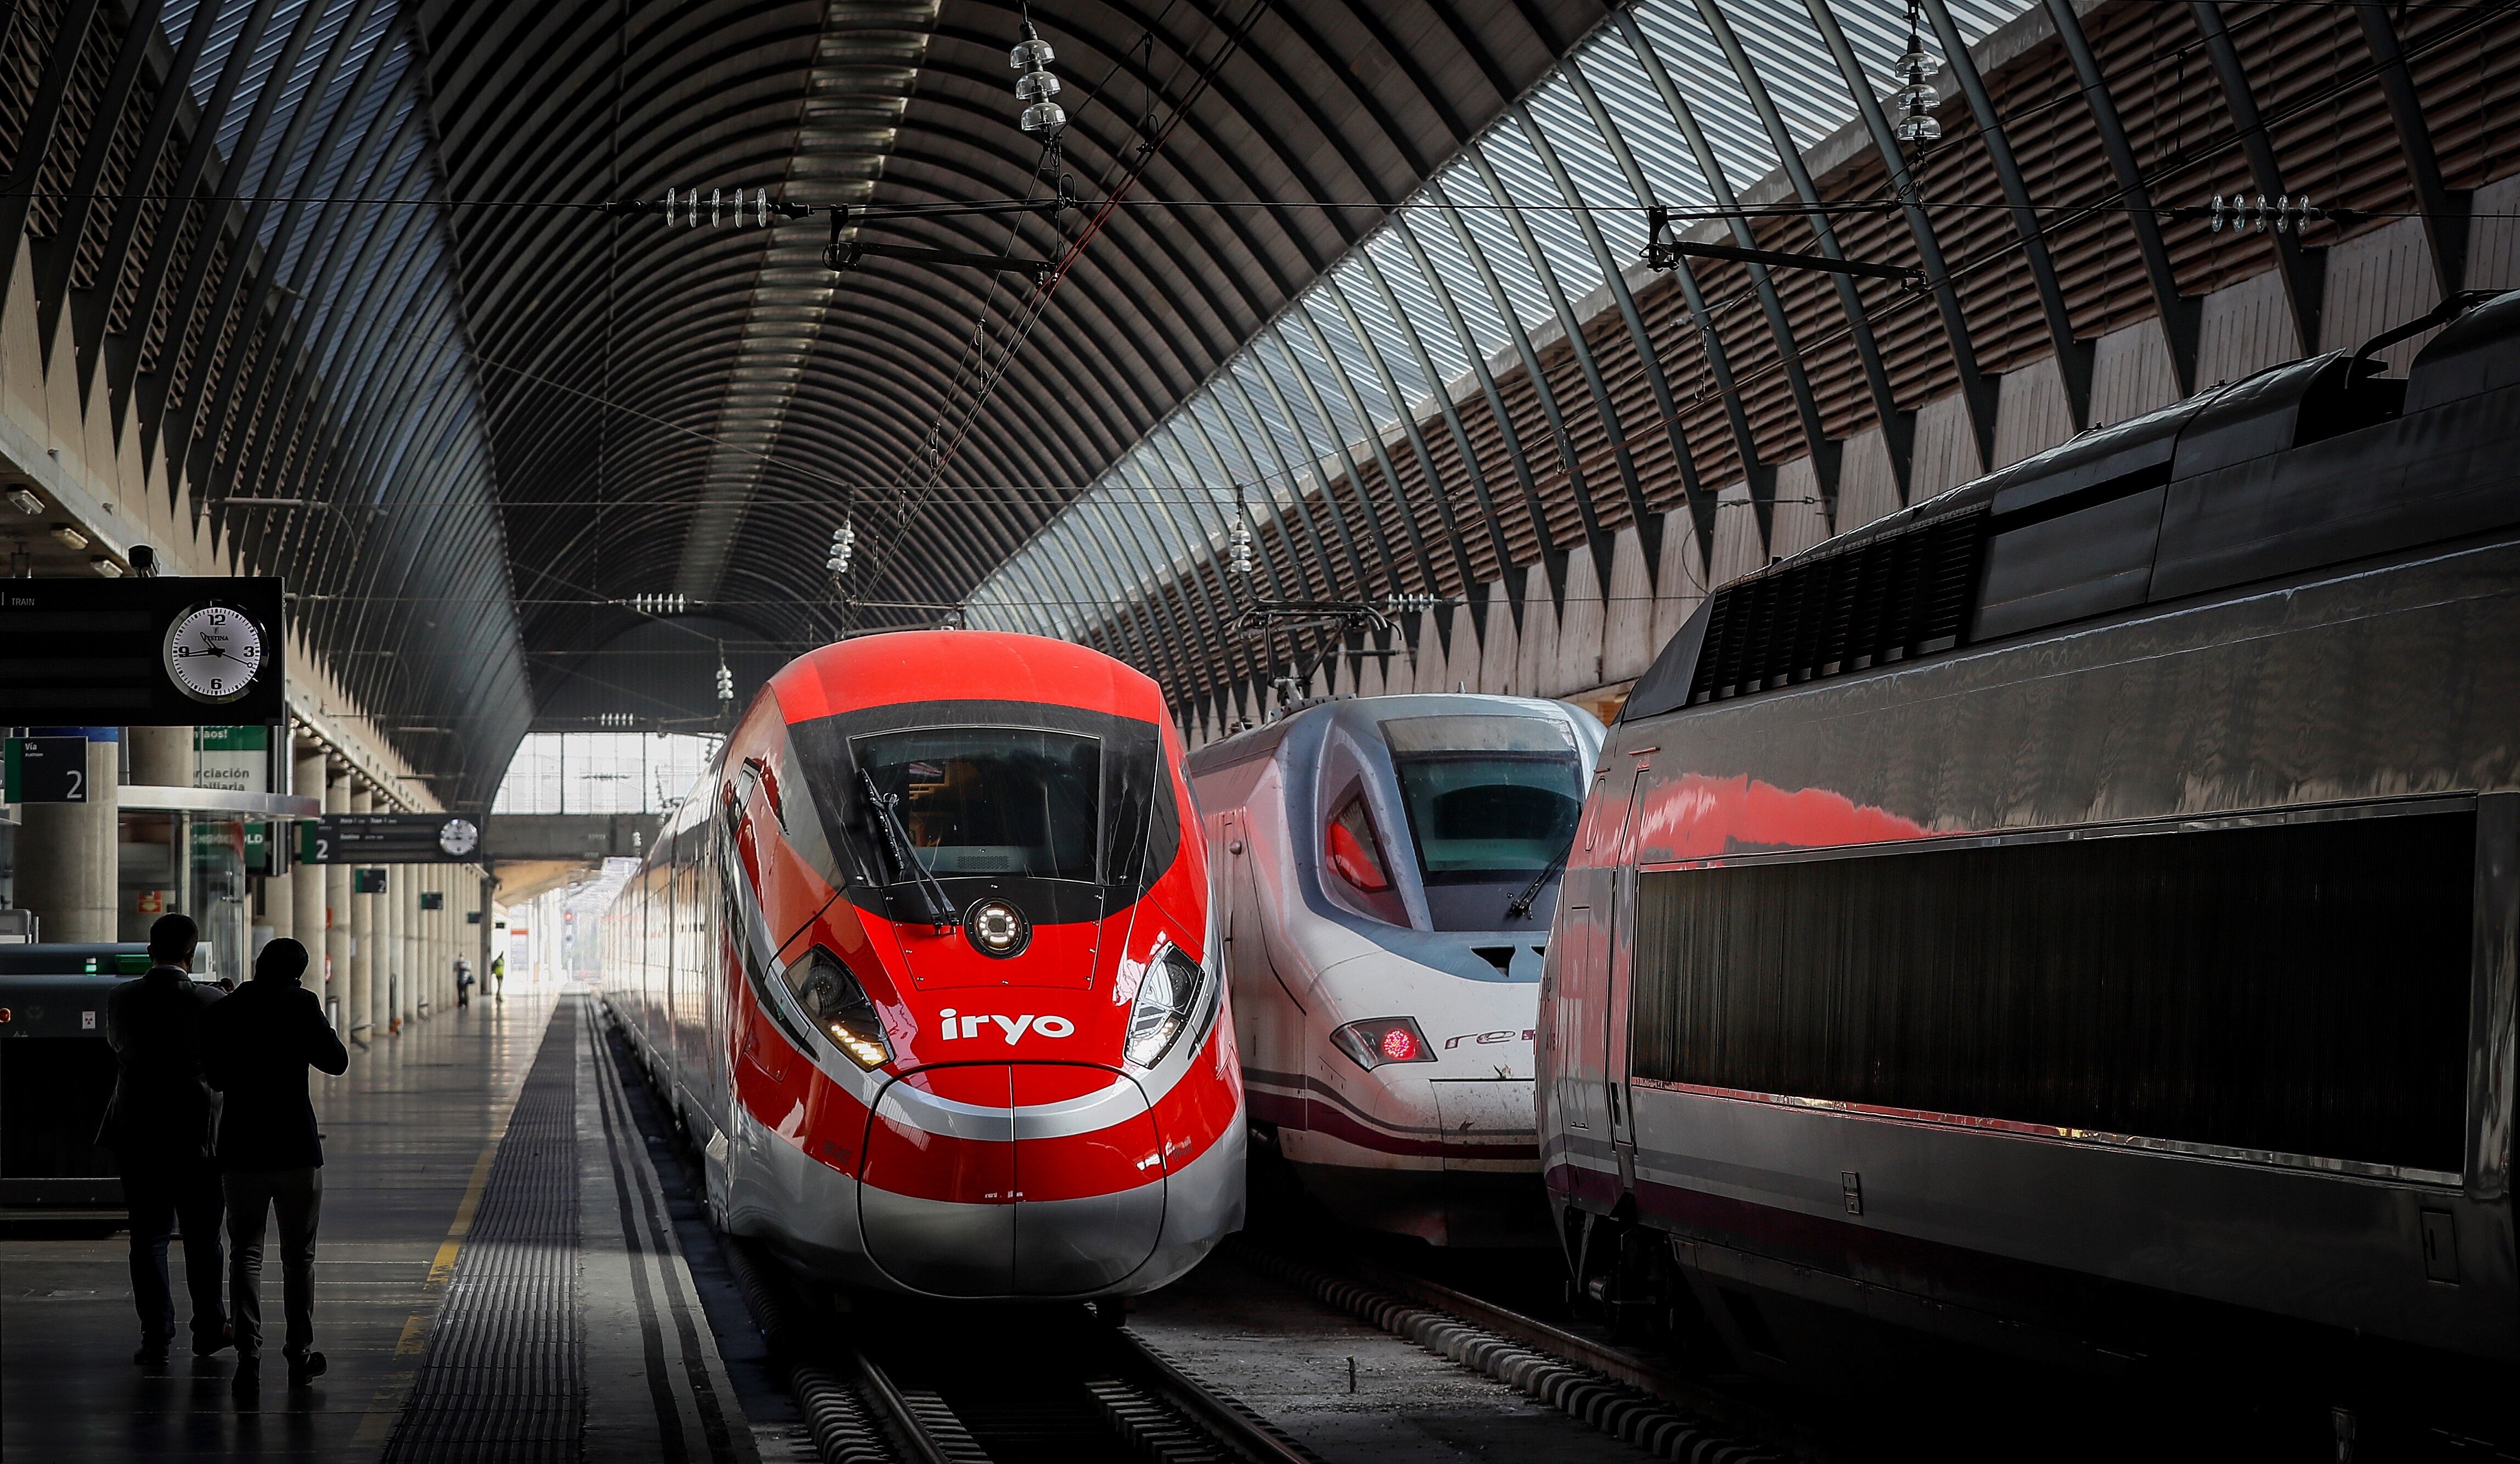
(46, 771)
(366, 882)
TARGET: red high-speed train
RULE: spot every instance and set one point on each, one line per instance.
(925, 965)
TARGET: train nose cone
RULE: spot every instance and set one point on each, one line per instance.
(1024, 1180)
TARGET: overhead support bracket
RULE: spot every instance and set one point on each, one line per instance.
(1666, 253)
(1263, 616)
(843, 256)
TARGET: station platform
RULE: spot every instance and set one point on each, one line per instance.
(497, 1278)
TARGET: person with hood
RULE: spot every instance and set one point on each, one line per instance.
(260, 1042)
(158, 1125)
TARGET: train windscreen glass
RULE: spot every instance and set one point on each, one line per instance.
(992, 801)
(1489, 797)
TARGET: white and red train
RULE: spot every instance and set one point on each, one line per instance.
(1387, 869)
(925, 965)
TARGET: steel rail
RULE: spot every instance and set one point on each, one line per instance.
(1228, 1424)
(906, 1424)
(1139, 1364)
(1369, 1286)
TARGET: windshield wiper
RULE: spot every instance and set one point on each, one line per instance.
(1521, 905)
(896, 837)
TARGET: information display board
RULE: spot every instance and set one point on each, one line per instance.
(387, 839)
(142, 652)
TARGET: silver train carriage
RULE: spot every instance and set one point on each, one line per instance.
(1386, 867)
(2074, 916)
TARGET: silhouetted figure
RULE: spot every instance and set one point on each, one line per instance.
(260, 1042)
(159, 1127)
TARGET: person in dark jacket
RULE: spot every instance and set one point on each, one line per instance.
(260, 1042)
(158, 1127)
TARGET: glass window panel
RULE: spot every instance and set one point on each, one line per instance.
(1696, 63)
(1600, 183)
(1457, 279)
(1526, 179)
(1644, 124)
(1306, 352)
(1385, 336)
(604, 772)
(1488, 229)
(1423, 312)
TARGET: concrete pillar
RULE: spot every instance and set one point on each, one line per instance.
(388, 971)
(432, 925)
(337, 911)
(278, 906)
(70, 854)
(407, 944)
(452, 882)
(357, 1013)
(161, 757)
(395, 983)
(307, 782)
(427, 959)
(433, 954)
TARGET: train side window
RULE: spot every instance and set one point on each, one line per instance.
(1352, 851)
(2298, 988)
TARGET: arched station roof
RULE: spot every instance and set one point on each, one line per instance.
(340, 270)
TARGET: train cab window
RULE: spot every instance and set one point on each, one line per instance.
(1493, 803)
(992, 801)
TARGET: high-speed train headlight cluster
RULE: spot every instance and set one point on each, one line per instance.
(1384, 1039)
(841, 1008)
(1168, 999)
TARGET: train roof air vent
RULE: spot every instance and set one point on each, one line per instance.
(1881, 600)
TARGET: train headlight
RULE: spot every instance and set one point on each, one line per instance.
(996, 929)
(1168, 999)
(1384, 1039)
(841, 1008)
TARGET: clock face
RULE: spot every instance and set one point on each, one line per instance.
(213, 653)
(459, 838)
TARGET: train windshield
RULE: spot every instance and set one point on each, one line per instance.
(1488, 797)
(987, 801)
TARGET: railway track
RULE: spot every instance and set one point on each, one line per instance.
(991, 1385)
(902, 1384)
(1617, 1392)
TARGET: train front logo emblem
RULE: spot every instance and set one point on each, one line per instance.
(959, 1028)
